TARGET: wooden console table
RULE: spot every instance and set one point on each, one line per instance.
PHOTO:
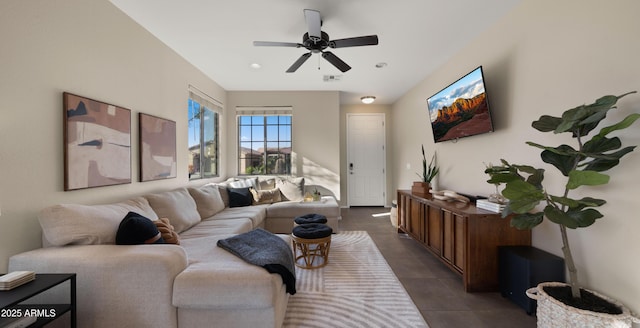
(463, 237)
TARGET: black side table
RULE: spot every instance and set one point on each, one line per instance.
(10, 299)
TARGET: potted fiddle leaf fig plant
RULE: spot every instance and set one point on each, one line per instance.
(582, 165)
(429, 171)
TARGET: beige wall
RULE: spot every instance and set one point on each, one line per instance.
(92, 49)
(315, 125)
(543, 58)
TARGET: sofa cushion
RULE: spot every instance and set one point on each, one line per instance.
(291, 189)
(208, 200)
(217, 227)
(177, 206)
(239, 197)
(67, 224)
(266, 196)
(256, 213)
(243, 182)
(327, 206)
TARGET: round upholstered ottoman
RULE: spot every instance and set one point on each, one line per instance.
(311, 243)
(310, 218)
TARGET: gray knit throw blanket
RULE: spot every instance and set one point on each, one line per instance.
(264, 249)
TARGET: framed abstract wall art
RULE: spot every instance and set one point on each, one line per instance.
(97, 143)
(157, 148)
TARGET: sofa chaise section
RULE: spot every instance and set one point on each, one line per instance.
(116, 286)
(280, 215)
(235, 292)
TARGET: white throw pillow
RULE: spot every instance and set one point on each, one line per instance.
(77, 224)
(291, 189)
(244, 183)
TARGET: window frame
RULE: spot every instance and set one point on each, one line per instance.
(263, 159)
(206, 107)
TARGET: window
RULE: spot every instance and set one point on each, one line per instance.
(203, 137)
(264, 141)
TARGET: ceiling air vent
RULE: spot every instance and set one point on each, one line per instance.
(332, 78)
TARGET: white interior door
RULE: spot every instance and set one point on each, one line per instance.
(366, 167)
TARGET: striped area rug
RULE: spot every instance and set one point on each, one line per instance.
(356, 289)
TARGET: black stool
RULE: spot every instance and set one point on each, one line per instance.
(311, 243)
(310, 218)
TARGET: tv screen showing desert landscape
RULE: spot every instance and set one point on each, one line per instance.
(461, 109)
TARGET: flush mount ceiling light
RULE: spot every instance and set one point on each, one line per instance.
(368, 99)
(255, 66)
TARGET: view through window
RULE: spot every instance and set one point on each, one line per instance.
(203, 138)
(264, 143)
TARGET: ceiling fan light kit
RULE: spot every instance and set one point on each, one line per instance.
(316, 41)
(368, 99)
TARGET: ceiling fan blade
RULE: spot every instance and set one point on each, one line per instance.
(335, 61)
(369, 40)
(276, 44)
(313, 23)
(299, 62)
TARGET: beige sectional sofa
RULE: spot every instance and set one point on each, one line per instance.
(193, 284)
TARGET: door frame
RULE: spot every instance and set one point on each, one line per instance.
(384, 155)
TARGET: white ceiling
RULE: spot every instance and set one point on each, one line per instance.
(415, 37)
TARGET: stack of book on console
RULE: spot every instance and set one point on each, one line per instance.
(490, 206)
(14, 279)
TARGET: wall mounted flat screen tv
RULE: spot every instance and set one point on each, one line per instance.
(461, 109)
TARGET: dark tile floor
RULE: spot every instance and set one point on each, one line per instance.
(435, 289)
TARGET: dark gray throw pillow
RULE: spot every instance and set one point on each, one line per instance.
(136, 229)
(239, 197)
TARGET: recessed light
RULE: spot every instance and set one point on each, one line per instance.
(255, 66)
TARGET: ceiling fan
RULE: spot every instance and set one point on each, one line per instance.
(316, 41)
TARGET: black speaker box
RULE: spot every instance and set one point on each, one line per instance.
(523, 267)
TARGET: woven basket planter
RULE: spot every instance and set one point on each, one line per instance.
(552, 313)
